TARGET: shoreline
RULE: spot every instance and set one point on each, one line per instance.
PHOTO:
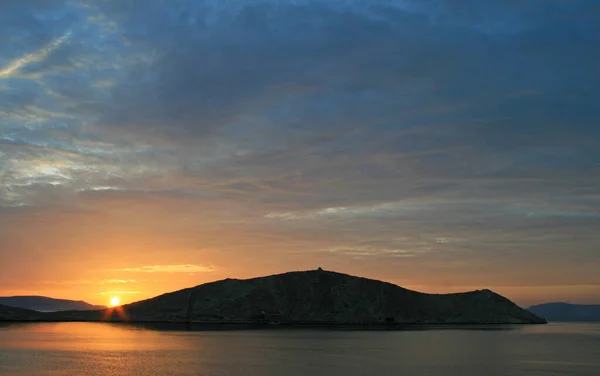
(288, 325)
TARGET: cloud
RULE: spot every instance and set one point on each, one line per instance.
(373, 252)
(378, 209)
(186, 268)
(36, 57)
(121, 292)
(90, 282)
(74, 282)
(117, 281)
(370, 93)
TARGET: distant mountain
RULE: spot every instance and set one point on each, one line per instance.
(19, 314)
(314, 297)
(45, 304)
(567, 312)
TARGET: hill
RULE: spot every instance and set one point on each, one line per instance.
(567, 312)
(313, 297)
(45, 304)
(19, 314)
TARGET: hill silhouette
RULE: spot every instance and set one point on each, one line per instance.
(46, 304)
(567, 312)
(314, 297)
(19, 314)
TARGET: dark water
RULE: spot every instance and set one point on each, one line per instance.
(113, 349)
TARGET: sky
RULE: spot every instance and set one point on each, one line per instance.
(148, 146)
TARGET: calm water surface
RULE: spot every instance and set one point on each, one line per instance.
(113, 349)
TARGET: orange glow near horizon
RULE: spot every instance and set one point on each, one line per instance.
(137, 286)
(135, 255)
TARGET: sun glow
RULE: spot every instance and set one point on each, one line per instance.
(114, 301)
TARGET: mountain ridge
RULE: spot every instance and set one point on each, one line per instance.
(560, 311)
(47, 304)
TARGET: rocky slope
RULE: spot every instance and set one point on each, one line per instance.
(46, 304)
(315, 297)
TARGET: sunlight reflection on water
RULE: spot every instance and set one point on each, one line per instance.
(118, 349)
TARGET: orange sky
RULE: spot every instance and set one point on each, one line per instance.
(133, 250)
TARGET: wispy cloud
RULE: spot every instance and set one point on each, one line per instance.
(35, 57)
(185, 268)
(361, 252)
(117, 281)
(354, 211)
(91, 282)
(73, 282)
(121, 292)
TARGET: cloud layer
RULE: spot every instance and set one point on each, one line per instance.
(187, 268)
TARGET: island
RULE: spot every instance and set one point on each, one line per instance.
(314, 297)
(567, 312)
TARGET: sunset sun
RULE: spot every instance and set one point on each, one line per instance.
(114, 301)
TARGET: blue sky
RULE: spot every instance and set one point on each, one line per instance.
(436, 144)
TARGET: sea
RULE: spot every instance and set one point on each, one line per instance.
(105, 349)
